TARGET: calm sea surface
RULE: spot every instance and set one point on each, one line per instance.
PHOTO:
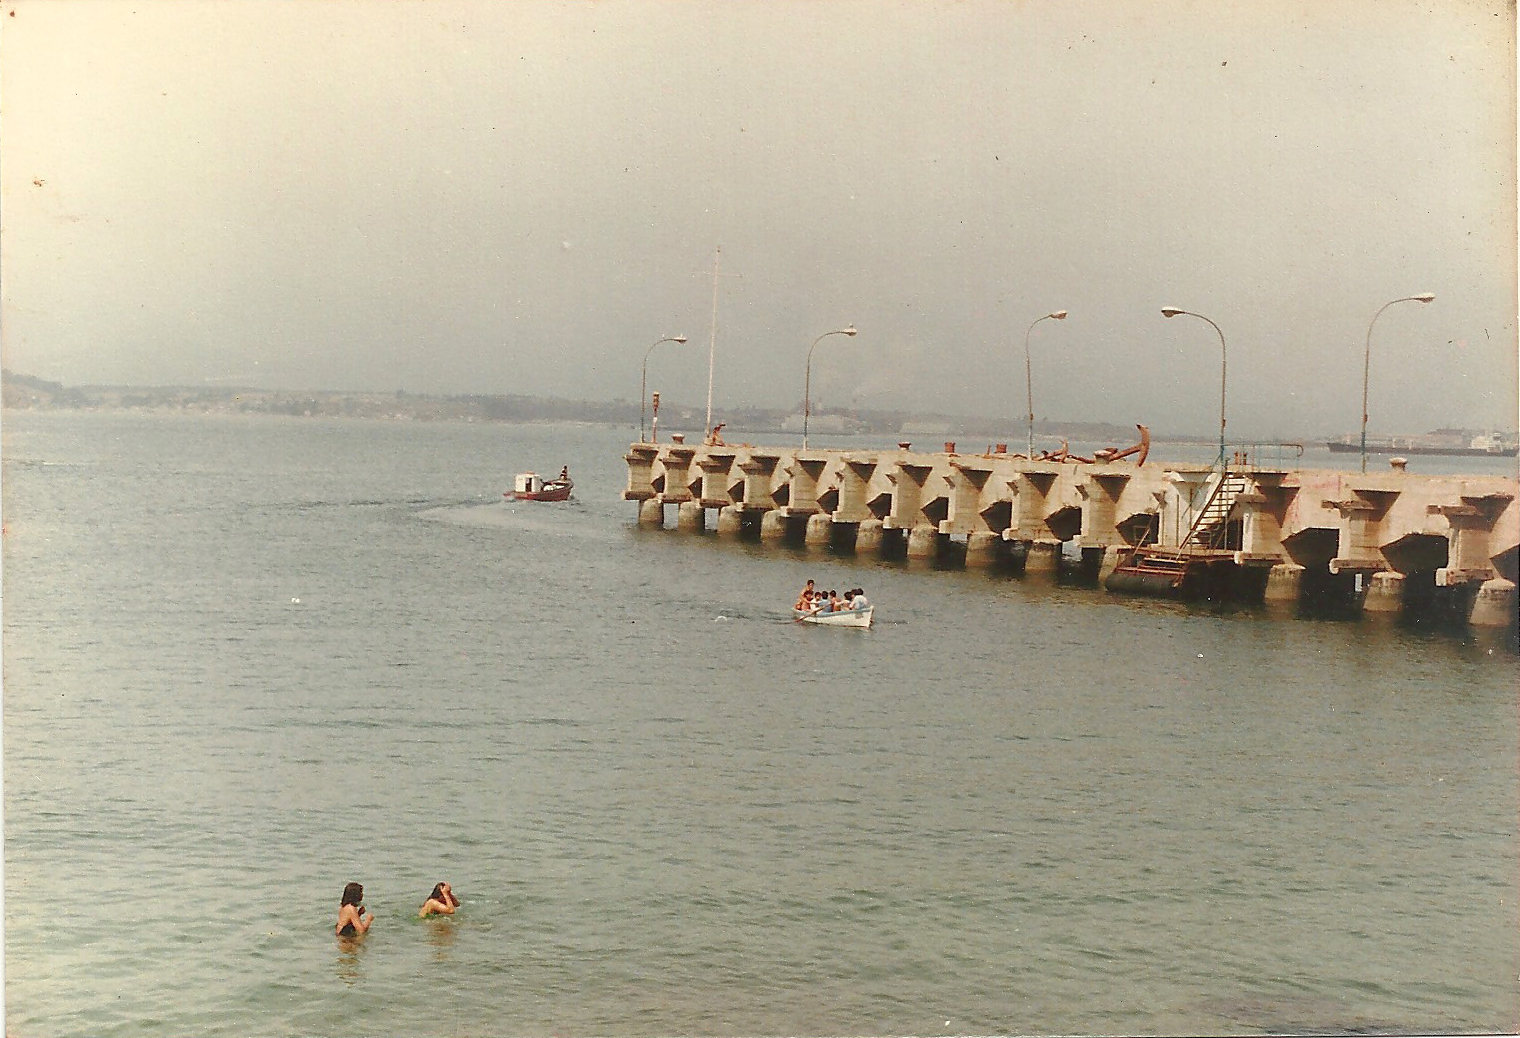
(250, 660)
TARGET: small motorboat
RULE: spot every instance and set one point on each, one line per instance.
(530, 486)
(843, 618)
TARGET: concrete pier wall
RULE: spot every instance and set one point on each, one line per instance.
(1283, 521)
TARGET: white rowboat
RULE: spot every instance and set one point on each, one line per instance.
(844, 618)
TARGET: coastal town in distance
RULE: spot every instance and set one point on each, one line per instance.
(25, 392)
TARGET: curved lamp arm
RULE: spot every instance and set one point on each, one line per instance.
(1058, 315)
(644, 378)
(807, 384)
(1423, 297)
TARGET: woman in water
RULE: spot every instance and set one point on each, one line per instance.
(352, 918)
(440, 902)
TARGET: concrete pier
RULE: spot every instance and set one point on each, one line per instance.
(1284, 583)
(1043, 557)
(818, 531)
(1287, 530)
(1384, 594)
(868, 537)
(730, 520)
(651, 513)
(982, 549)
(923, 542)
(691, 517)
(772, 528)
(1495, 605)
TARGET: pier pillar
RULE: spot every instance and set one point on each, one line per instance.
(981, 549)
(715, 466)
(854, 484)
(691, 517)
(923, 542)
(1043, 557)
(1384, 594)
(759, 471)
(1495, 605)
(728, 521)
(868, 537)
(772, 527)
(651, 513)
(1284, 582)
(818, 529)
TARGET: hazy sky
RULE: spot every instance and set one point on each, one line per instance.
(452, 197)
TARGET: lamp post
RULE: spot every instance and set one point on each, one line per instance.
(644, 378)
(807, 385)
(1059, 315)
(1172, 311)
(1423, 297)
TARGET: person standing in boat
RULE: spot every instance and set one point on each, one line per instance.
(805, 600)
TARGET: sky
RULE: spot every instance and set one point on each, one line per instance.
(483, 197)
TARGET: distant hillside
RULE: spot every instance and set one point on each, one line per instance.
(24, 392)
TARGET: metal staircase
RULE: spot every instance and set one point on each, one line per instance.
(1192, 563)
(1210, 530)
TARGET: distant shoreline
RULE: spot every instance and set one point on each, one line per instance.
(27, 393)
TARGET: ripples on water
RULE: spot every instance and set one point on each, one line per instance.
(250, 660)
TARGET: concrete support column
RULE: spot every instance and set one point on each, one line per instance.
(818, 529)
(854, 484)
(651, 513)
(691, 517)
(1284, 582)
(1043, 557)
(923, 542)
(868, 537)
(772, 527)
(981, 550)
(1495, 605)
(728, 521)
(1384, 594)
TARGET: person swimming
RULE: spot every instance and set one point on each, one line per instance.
(353, 920)
(440, 902)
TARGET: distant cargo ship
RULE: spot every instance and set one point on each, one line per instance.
(1444, 442)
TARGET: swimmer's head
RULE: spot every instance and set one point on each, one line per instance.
(353, 894)
(437, 894)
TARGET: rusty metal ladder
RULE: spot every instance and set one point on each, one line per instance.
(1211, 528)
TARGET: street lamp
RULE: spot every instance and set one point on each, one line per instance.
(807, 385)
(1172, 311)
(1423, 297)
(1059, 315)
(643, 379)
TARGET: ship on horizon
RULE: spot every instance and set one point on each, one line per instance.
(1447, 442)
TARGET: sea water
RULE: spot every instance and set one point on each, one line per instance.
(249, 660)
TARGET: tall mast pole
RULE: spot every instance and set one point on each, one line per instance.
(712, 342)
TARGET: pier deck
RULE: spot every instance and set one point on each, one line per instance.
(1268, 524)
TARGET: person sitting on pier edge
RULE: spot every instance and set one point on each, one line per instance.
(440, 902)
(805, 600)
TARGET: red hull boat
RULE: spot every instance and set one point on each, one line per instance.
(530, 486)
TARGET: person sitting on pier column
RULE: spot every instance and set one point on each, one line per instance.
(805, 600)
